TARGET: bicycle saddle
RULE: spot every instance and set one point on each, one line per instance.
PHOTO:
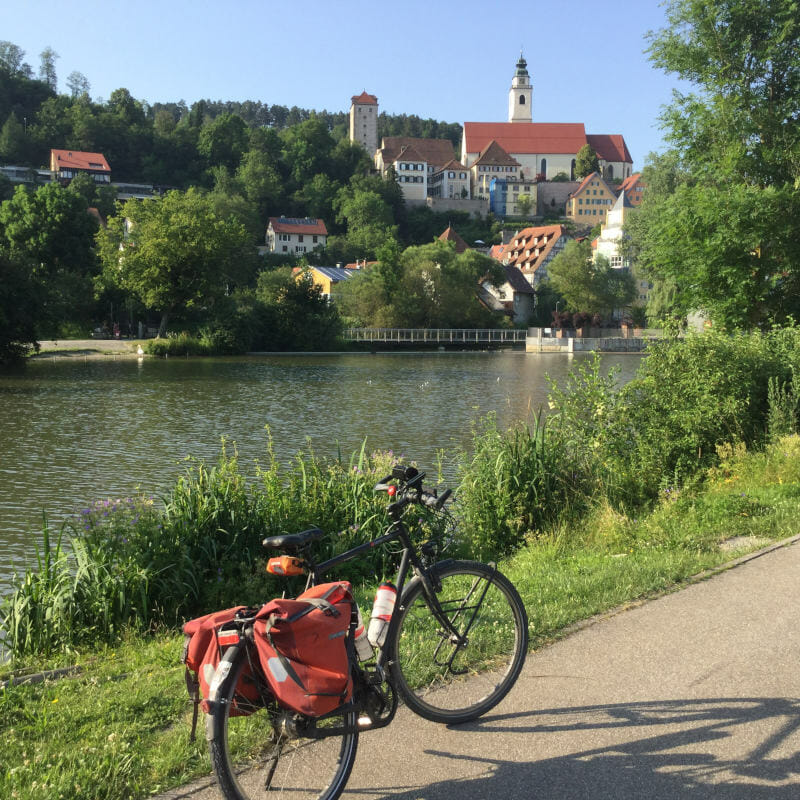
(288, 541)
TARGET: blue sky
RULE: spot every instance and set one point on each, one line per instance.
(452, 61)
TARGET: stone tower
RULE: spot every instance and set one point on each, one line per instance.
(520, 95)
(364, 121)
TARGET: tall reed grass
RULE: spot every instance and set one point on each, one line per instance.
(141, 563)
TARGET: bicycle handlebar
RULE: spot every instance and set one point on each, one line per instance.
(410, 490)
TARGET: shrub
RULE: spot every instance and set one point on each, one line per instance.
(511, 488)
(689, 397)
(183, 344)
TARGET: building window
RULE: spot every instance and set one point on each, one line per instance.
(314, 239)
(451, 174)
(299, 237)
(522, 99)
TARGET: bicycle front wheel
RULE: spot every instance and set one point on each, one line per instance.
(265, 755)
(452, 679)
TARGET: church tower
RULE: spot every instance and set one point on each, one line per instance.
(520, 95)
(364, 121)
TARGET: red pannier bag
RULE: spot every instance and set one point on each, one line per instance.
(302, 646)
(202, 650)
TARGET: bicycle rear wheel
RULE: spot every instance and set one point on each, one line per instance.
(264, 755)
(440, 679)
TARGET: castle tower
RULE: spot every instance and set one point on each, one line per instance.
(520, 95)
(364, 121)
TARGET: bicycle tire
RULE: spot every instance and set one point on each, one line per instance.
(496, 626)
(242, 749)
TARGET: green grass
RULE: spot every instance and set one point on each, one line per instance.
(120, 728)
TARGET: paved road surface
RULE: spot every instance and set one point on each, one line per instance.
(693, 695)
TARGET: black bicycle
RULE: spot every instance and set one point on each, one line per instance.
(455, 644)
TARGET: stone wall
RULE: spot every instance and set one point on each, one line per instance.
(552, 197)
(475, 206)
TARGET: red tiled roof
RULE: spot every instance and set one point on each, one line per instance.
(497, 251)
(451, 236)
(452, 164)
(610, 147)
(526, 137)
(73, 159)
(364, 99)
(298, 225)
(589, 177)
(494, 155)
(434, 151)
(521, 250)
(360, 264)
(410, 153)
(629, 182)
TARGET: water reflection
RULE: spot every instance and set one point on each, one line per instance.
(80, 430)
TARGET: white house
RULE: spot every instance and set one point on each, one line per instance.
(414, 161)
(451, 181)
(295, 235)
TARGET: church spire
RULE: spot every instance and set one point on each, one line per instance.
(521, 94)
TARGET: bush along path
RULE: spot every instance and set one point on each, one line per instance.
(603, 505)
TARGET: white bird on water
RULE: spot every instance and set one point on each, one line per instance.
(139, 351)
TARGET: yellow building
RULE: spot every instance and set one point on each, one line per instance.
(591, 201)
(324, 277)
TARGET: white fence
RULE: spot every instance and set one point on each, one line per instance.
(437, 335)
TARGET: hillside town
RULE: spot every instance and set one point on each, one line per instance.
(509, 171)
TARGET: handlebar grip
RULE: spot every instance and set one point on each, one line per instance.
(443, 498)
(383, 484)
(428, 499)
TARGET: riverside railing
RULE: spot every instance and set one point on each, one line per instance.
(437, 335)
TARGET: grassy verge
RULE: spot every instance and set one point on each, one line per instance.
(120, 728)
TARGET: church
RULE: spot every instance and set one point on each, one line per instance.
(541, 149)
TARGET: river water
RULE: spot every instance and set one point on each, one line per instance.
(78, 430)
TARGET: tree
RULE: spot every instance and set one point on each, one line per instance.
(730, 188)
(368, 218)
(223, 141)
(84, 185)
(261, 183)
(427, 286)
(744, 59)
(50, 231)
(47, 68)
(19, 304)
(524, 203)
(175, 253)
(78, 84)
(586, 162)
(307, 147)
(11, 57)
(13, 145)
(317, 197)
(587, 285)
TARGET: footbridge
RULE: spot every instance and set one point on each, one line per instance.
(442, 336)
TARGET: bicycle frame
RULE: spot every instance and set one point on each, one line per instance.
(408, 559)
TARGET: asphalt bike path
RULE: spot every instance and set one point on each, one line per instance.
(695, 694)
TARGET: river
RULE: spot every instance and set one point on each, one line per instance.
(78, 430)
